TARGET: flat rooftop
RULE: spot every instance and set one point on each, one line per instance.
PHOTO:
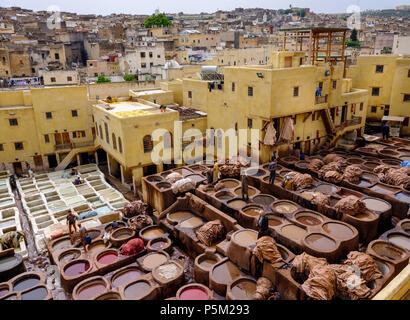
(186, 113)
(126, 109)
(147, 92)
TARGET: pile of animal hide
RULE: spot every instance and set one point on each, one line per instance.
(232, 168)
(300, 180)
(219, 186)
(396, 177)
(350, 205)
(173, 177)
(139, 222)
(210, 232)
(315, 164)
(321, 283)
(368, 268)
(182, 185)
(332, 157)
(352, 173)
(263, 286)
(320, 199)
(266, 249)
(134, 208)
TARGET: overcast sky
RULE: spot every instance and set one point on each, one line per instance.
(194, 6)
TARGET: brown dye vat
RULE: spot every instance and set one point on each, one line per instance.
(159, 244)
(273, 222)
(91, 291)
(197, 167)
(302, 164)
(293, 232)
(208, 263)
(308, 218)
(253, 211)
(338, 230)
(370, 165)
(405, 225)
(97, 246)
(230, 183)
(38, 293)
(122, 235)
(237, 204)
(154, 259)
(242, 289)
(163, 185)
(284, 207)
(8, 264)
(69, 255)
(369, 176)
(61, 244)
(226, 272)
(251, 191)
(263, 199)
(400, 240)
(110, 295)
(152, 232)
(245, 238)
(391, 162)
(326, 188)
(384, 189)
(320, 242)
(354, 161)
(386, 250)
(155, 178)
(93, 233)
(191, 223)
(377, 204)
(255, 172)
(366, 216)
(202, 265)
(224, 195)
(137, 290)
(389, 153)
(178, 216)
(345, 193)
(125, 276)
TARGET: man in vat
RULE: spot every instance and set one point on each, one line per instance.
(273, 165)
(244, 180)
(288, 183)
(72, 223)
(386, 131)
(83, 236)
(215, 174)
(263, 224)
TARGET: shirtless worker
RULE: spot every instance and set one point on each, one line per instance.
(244, 180)
(72, 223)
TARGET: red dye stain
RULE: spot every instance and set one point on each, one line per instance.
(193, 294)
(77, 269)
(107, 258)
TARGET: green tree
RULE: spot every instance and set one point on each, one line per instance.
(302, 13)
(159, 20)
(102, 79)
(350, 43)
(353, 35)
(129, 77)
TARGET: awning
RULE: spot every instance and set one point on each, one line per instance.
(391, 118)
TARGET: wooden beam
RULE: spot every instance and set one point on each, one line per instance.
(310, 47)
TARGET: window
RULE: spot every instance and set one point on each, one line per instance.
(69, 79)
(74, 113)
(250, 123)
(46, 138)
(158, 56)
(150, 55)
(49, 115)
(1, 147)
(373, 109)
(151, 64)
(361, 106)
(114, 141)
(119, 144)
(334, 84)
(189, 94)
(143, 65)
(142, 54)
(4, 61)
(107, 137)
(408, 74)
(379, 68)
(101, 132)
(406, 98)
(147, 141)
(296, 91)
(321, 85)
(56, 56)
(375, 91)
(13, 122)
(52, 79)
(233, 86)
(18, 145)
(250, 91)
(74, 134)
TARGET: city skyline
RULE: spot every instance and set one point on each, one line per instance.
(91, 7)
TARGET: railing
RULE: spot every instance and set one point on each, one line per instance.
(62, 146)
(348, 123)
(320, 99)
(83, 144)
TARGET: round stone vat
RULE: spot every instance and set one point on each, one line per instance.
(97, 246)
(242, 288)
(389, 153)
(11, 265)
(155, 178)
(162, 243)
(244, 238)
(338, 230)
(197, 167)
(230, 183)
(4, 289)
(106, 257)
(152, 260)
(151, 232)
(26, 281)
(61, 243)
(263, 199)
(138, 290)
(320, 242)
(170, 276)
(69, 255)
(224, 195)
(90, 288)
(404, 225)
(196, 178)
(125, 275)
(121, 224)
(354, 161)
(39, 292)
(391, 162)
(283, 206)
(237, 203)
(302, 165)
(75, 268)
(377, 205)
(308, 218)
(177, 216)
(202, 265)
(252, 210)
(251, 191)
(256, 172)
(194, 291)
(221, 274)
(122, 235)
(370, 165)
(293, 232)
(326, 188)
(163, 185)
(388, 251)
(400, 239)
(191, 223)
(110, 295)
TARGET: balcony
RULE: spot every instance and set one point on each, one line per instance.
(320, 99)
(349, 123)
(59, 147)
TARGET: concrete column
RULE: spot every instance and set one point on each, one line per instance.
(96, 157)
(108, 164)
(137, 174)
(78, 159)
(160, 167)
(122, 174)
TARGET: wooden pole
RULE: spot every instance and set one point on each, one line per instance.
(310, 46)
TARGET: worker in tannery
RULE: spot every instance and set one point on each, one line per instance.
(244, 180)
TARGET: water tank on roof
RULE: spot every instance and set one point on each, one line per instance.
(209, 69)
